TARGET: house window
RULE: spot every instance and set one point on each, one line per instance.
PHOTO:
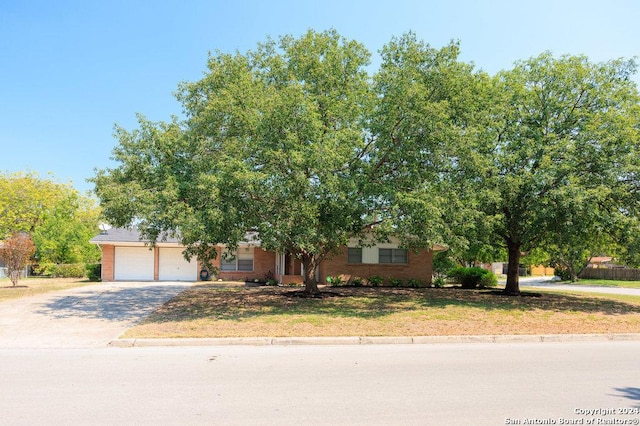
(241, 260)
(395, 255)
(354, 255)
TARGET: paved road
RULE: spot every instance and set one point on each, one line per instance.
(456, 384)
(548, 284)
(83, 317)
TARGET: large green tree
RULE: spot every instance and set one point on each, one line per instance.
(25, 198)
(58, 218)
(275, 141)
(559, 155)
(428, 116)
(65, 231)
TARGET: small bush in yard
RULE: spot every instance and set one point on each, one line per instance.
(62, 270)
(376, 280)
(413, 282)
(489, 280)
(334, 281)
(356, 282)
(439, 282)
(94, 271)
(473, 277)
(395, 282)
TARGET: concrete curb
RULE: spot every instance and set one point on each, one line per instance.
(374, 340)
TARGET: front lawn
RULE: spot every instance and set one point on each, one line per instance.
(31, 286)
(213, 310)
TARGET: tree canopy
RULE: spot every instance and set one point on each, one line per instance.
(297, 141)
(24, 200)
(559, 155)
(58, 218)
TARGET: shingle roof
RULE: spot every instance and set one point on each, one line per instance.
(124, 235)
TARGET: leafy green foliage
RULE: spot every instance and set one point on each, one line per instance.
(63, 270)
(24, 201)
(473, 277)
(558, 154)
(356, 281)
(415, 283)
(375, 280)
(59, 219)
(94, 271)
(64, 234)
(395, 282)
(335, 281)
(297, 142)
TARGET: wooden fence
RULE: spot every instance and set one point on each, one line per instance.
(625, 274)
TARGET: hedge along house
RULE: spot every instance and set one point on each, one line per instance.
(126, 257)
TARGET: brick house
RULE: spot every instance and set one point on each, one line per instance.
(125, 257)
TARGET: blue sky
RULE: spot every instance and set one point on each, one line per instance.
(70, 70)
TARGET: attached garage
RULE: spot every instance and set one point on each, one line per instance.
(172, 266)
(133, 264)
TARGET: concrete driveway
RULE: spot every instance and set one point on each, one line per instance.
(84, 317)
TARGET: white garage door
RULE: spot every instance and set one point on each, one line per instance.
(172, 266)
(133, 264)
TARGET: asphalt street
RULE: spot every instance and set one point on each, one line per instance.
(453, 384)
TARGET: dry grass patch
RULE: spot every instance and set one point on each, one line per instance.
(214, 311)
(31, 286)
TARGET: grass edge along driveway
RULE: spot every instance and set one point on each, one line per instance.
(32, 286)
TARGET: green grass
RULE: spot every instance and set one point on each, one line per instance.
(209, 311)
(31, 286)
(605, 283)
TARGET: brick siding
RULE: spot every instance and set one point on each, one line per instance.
(263, 263)
(419, 266)
(108, 258)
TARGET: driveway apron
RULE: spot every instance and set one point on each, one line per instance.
(84, 317)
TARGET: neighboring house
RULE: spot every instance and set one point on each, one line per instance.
(125, 257)
(604, 262)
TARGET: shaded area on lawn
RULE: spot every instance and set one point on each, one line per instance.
(238, 303)
(112, 304)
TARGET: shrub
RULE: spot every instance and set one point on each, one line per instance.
(376, 280)
(94, 271)
(563, 273)
(413, 282)
(62, 270)
(356, 282)
(438, 282)
(489, 280)
(473, 277)
(395, 282)
(334, 281)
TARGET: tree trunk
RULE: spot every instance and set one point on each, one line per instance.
(513, 284)
(309, 264)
